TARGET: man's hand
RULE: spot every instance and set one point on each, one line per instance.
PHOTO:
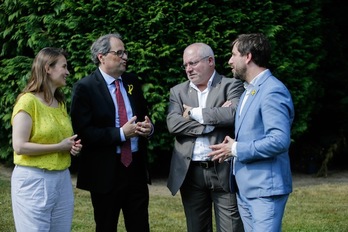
(222, 151)
(186, 110)
(144, 128)
(227, 104)
(129, 128)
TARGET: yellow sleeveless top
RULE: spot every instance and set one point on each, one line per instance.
(50, 125)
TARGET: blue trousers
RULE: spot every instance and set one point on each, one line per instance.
(263, 213)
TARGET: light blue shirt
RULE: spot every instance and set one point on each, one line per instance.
(112, 90)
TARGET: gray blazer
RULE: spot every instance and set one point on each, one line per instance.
(186, 131)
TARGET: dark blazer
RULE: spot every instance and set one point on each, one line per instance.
(186, 131)
(93, 119)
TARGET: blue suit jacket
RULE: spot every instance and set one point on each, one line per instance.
(262, 130)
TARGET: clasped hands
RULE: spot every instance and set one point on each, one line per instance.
(222, 151)
(133, 129)
(74, 145)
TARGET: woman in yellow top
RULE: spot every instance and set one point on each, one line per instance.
(42, 138)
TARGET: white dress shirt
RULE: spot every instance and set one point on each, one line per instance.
(201, 147)
(112, 89)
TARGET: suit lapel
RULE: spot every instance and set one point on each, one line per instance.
(241, 116)
(100, 82)
(254, 93)
(214, 90)
(130, 93)
(192, 97)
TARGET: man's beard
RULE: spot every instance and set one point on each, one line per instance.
(239, 73)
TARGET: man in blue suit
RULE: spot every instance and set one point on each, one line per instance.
(261, 165)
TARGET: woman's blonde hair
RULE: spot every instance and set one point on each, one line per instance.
(38, 81)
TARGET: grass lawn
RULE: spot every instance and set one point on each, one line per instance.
(316, 204)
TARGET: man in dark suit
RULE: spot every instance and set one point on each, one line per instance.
(201, 113)
(96, 117)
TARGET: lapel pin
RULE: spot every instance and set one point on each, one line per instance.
(130, 89)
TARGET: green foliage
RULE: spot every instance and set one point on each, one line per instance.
(155, 33)
(297, 57)
(14, 77)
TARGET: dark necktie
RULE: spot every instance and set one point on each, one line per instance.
(126, 151)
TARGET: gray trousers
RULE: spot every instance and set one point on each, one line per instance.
(201, 192)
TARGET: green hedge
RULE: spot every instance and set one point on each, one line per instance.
(155, 33)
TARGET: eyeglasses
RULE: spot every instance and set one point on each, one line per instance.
(192, 64)
(119, 53)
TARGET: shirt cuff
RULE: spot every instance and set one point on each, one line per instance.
(234, 149)
(196, 114)
(123, 137)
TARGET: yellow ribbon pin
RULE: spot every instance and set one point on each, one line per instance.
(253, 92)
(130, 89)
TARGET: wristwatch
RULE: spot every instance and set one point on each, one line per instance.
(189, 114)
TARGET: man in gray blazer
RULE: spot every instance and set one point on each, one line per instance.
(201, 113)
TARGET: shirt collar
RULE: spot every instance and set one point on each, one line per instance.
(208, 84)
(254, 81)
(108, 79)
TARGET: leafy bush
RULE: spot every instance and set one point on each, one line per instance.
(155, 33)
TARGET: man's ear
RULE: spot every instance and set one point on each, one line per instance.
(100, 57)
(249, 56)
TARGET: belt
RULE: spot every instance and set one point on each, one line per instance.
(203, 164)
